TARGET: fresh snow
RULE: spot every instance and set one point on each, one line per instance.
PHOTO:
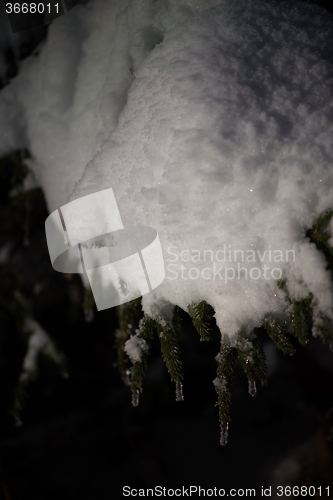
(65, 103)
(135, 347)
(219, 137)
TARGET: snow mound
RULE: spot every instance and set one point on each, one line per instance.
(65, 103)
(218, 136)
(224, 146)
(135, 347)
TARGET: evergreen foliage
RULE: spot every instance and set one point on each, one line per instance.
(247, 349)
(253, 361)
(201, 315)
(170, 351)
(34, 345)
(279, 337)
(146, 332)
(128, 316)
(320, 237)
(225, 373)
(301, 316)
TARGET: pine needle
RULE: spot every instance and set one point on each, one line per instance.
(201, 315)
(275, 333)
(223, 383)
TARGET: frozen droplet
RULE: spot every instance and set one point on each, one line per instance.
(127, 377)
(179, 392)
(252, 387)
(65, 375)
(224, 433)
(135, 398)
(264, 382)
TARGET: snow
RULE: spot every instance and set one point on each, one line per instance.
(38, 342)
(135, 347)
(65, 103)
(219, 137)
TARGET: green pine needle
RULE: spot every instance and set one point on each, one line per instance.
(301, 310)
(259, 359)
(275, 333)
(201, 315)
(253, 360)
(223, 383)
(138, 372)
(128, 316)
(322, 222)
(170, 351)
(320, 237)
(249, 351)
(177, 318)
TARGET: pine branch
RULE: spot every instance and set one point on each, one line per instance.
(275, 333)
(138, 372)
(325, 331)
(128, 316)
(39, 346)
(301, 311)
(320, 237)
(259, 358)
(170, 351)
(322, 222)
(223, 383)
(253, 360)
(201, 315)
(177, 318)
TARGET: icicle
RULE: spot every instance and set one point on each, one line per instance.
(179, 392)
(224, 433)
(135, 398)
(252, 387)
(264, 382)
(331, 346)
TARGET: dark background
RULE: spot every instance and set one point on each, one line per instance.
(82, 439)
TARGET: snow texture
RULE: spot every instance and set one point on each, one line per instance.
(214, 128)
(65, 103)
(135, 347)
